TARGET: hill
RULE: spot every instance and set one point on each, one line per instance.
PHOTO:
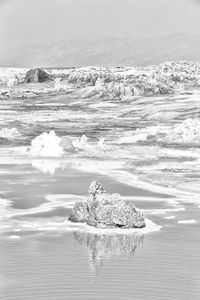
(105, 52)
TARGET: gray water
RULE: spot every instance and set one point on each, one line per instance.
(43, 257)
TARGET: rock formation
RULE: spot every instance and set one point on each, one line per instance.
(36, 75)
(105, 210)
(107, 83)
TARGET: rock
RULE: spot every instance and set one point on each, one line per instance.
(103, 210)
(95, 189)
(36, 75)
(106, 83)
(80, 213)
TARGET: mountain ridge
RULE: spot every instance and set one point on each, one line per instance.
(108, 51)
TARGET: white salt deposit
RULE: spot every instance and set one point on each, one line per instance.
(14, 236)
(12, 76)
(13, 80)
(9, 133)
(150, 227)
(132, 139)
(82, 144)
(186, 221)
(47, 144)
(185, 132)
(170, 217)
(139, 135)
(61, 85)
(101, 144)
(58, 84)
(188, 131)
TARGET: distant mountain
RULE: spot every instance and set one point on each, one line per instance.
(105, 51)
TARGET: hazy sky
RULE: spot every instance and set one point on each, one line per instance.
(42, 21)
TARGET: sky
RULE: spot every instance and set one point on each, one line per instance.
(45, 21)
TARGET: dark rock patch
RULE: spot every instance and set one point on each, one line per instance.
(36, 75)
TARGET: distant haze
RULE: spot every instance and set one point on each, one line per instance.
(31, 27)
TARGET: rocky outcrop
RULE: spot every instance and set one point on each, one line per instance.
(36, 75)
(127, 82)
(107, 83)
(105, 210)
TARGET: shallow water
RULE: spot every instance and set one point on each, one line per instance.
(43, 256)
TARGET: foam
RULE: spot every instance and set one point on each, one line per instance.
(47, 144)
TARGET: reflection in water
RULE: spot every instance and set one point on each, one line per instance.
(46, 166)
(104, 247)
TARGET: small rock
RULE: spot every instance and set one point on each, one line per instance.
(80, 213)
(36, 75)
(103, 210)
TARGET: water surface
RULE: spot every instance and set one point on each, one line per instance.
(44, 257)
